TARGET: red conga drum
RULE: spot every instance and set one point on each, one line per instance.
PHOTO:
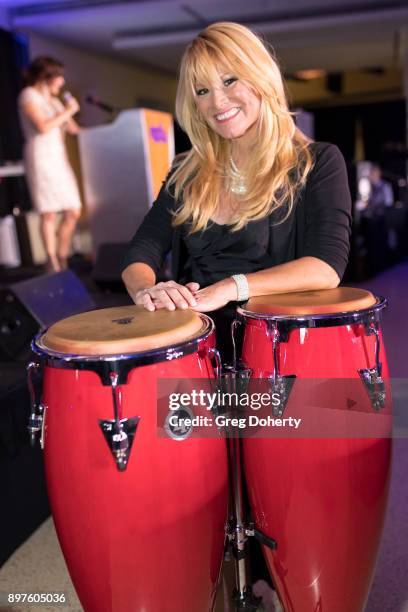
(140, 518)
(322, 499)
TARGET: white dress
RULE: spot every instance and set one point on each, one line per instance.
(49, 174)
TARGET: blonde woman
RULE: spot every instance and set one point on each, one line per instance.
(52, 184)
(254, 207)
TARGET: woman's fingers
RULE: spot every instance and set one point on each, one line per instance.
(187, 295)
(73, 105)
(143, 298)
(169, 295)
(193, 287)
(174, 294)
(164, 299)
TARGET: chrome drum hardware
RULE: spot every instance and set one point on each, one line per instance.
(282, 385)
(372, 377)
(36, 419)
(119, 433)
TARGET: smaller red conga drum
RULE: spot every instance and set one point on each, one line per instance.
(321, 499)
(140, 518)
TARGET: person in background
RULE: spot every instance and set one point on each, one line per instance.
(381, 191)
(53, 188)
(255, 207)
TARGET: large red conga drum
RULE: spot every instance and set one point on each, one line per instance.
(322, 499)
(140, 518)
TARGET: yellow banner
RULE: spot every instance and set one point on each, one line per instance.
(159, 138)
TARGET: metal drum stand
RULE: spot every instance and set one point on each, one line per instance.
(235, 379)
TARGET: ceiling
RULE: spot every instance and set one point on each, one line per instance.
(330, 34)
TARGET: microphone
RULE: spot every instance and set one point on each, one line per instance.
(67, 96)
(102, 105)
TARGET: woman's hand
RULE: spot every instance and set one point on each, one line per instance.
(169, 295)
(72, 105)
(42, 122)
(215, 296)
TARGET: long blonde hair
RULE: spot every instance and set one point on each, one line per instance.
(278, 166)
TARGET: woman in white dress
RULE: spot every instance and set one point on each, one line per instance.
(51, 180)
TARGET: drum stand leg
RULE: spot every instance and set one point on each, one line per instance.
(237, 531)
(234, 378)
(238, 534)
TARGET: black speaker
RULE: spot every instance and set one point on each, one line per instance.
(34, 304)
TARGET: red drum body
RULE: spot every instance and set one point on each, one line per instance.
(149, 538)
(323, 500)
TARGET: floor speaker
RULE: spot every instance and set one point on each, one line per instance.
(34, 304)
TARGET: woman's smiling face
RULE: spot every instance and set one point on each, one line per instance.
(229, 106)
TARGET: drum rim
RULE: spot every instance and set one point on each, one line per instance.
(147, 357)
(318, 320)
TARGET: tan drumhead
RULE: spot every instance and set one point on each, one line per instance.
(125, 329)
(327, 301)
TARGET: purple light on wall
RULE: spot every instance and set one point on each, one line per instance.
(158, 133)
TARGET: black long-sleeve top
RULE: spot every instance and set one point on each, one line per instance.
(318, 226)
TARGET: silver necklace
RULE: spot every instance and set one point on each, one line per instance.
(237, 182)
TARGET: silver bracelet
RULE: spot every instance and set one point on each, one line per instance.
(242, 287)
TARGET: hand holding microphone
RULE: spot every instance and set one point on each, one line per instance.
(71, 103)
